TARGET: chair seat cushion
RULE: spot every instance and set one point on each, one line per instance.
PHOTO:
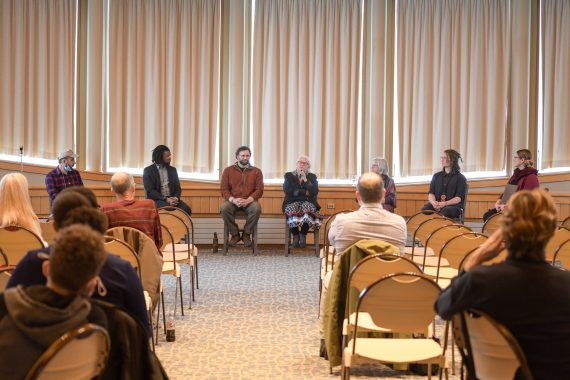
(395, 350)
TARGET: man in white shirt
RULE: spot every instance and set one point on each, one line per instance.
(370, 221)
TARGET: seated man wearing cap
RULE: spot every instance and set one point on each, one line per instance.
(63, 175)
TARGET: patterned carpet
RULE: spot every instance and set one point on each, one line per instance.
(254, 318)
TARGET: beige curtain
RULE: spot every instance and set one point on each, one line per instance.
(452, 81)
(377, 81)
(305, 77)
(163, 65)
(37, 49)
(555, 83)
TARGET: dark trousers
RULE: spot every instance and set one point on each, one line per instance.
(452, 212)
(304, 229)
(489, 214)
(228, 211)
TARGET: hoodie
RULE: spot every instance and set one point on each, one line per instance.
(30, 320)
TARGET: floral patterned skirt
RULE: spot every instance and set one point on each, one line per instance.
(301, 212)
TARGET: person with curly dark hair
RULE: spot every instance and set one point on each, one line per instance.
(448, 188)
(161, 182)
(527, 294)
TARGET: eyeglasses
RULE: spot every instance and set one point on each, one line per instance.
(303, 162)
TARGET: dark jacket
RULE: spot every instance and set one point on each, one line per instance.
(295, 191)
(151, 180)
(130, 356)
(531, 298)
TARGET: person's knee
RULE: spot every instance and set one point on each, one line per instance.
(254, 208)
(226, 208)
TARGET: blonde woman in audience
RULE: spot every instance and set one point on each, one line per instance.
(380, 167)
(15, 204)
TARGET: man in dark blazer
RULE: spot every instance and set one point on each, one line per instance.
(161, 183)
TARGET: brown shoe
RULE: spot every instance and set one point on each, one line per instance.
(246, 240)
(234, 240)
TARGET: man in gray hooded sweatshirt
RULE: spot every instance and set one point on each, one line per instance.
(32, 318)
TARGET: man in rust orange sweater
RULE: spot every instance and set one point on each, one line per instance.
(241, 186)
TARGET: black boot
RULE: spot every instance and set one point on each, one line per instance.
(296, 241)
(303, 241)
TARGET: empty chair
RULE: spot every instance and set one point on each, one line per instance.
(422, 233)
(435, 242)
(560, 236)
(171, 267)
(178, 229)
(415, 220)
(562, 255)
(365, 273)
(492, 224)
(492, 350)
(16, 241)
(452, 253)
(79, 354)
(187, 219)
(401, 302)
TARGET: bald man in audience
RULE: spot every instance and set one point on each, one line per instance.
(130, 212)
(370, 221)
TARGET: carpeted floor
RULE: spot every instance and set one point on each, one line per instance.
(254, 318)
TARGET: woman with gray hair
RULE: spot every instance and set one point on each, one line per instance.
(379, 166)
(300, 205)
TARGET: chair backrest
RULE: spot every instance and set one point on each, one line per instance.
(48, 231)
(562, 255)
(79, 354)
(492, 224)
(372, 268)
(566, 222)
(187, 219)
(16, 241)
(441, 235)
(149, 256)
(124, 251)
(5, 273)
(560, 236)
(455, 249)
(167, 239)
(495, 352)
(178, 229)
(415, 220)
(401, 302)
(499, 258)
(424, 230)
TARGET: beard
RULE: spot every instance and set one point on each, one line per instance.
(244, 162)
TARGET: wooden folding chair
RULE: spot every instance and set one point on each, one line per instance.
(492, 224)
(560, 236)
(492, 349)
(48, 231)
(17, 241)
(401, 303)
(79, 354)
(562, 255)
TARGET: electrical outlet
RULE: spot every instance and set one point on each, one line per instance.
(330, 206)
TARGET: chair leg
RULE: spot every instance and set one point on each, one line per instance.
(196, 264)
(192, 285)
(287, 239)
(181, 298)
(163, 313)
(175, 295)
(316, 242)
(226, 232)
(254, 238)
(152, 328)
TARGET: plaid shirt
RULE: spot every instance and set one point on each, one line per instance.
(57, 181)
